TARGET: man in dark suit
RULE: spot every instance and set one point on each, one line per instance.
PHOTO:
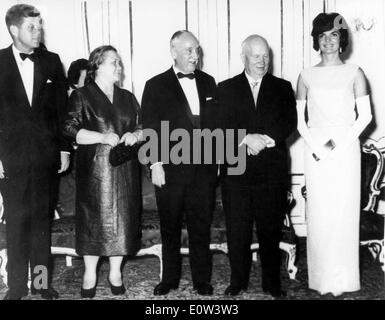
(184, 97)
(264, 106)
(32, 101)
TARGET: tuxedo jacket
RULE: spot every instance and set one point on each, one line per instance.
(30, 135)
(164, 100)
(274, 115)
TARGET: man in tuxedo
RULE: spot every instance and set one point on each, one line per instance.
(264, 106)
(184, 97)
(32, 151)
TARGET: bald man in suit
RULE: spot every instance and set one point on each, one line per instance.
(184, 97)
(264, 106)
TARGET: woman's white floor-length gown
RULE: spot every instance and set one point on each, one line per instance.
(332, 184)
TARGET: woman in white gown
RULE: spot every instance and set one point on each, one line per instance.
(338, 110)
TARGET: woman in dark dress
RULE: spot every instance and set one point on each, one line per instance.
(108, 199)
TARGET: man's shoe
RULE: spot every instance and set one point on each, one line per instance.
(164, 288)
(47, 294)
(276, 293)
(12, 296)
(233, 290)
(204, 289)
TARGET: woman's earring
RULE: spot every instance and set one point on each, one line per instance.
(340, 50)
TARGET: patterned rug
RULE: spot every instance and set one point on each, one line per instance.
(141, 274)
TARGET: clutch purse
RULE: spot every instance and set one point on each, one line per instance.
(121, 154)
(330, 145)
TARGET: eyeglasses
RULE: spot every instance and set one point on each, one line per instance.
(34, 28)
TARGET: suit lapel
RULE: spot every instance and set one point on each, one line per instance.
(201, 90)
(179, 94)
(265, 91)
(15, 79)
(246, 93)
(38, 77)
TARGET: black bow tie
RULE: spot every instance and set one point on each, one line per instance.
(181, 75)
(31, 56)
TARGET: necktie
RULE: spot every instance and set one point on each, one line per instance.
(255, 87)
(31, 56)
(181, 75)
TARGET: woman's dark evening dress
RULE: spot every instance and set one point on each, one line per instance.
(108, 199)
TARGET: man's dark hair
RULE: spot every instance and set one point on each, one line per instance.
(326, 22)
(16, 14)
(74, 71)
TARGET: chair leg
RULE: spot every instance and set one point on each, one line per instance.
(155, 250)
(381, 256)
(68, 261)
(29, 276)
(254, 247)
(159, 254)
(291, 250)
(3, 266)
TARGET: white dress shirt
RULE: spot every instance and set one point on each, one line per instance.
(26, 69)
(190, 90)
(255, 85)
(189, 87)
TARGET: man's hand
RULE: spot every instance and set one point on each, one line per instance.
(255, 143)
(110, 138)
(2, 172)
(270, 141)
(158, 175)
(64, 161)
(129, 139)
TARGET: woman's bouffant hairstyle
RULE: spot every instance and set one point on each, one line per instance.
(74, 71)
(95, 60)
(327, 21)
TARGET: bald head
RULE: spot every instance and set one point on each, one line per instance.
(255, 56)
(184, 48)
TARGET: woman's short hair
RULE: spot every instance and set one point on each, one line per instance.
(74, 71)
(327, 21)
(95, 60)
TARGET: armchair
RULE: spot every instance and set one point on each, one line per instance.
(372, 220)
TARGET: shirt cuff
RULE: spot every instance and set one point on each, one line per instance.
(67, 152)
(156, 164)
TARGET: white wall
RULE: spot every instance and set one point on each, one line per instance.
(366, 20)
(141, 29)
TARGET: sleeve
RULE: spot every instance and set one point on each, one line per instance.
(61, 102)
(227, 113)
(304, 131)
(363, 119)
(138, 131)
(136, 106)
(2, 124)
(151, 119)
(286, 120)
(74, 120)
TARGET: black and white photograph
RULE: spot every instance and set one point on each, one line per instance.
(207, 152)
